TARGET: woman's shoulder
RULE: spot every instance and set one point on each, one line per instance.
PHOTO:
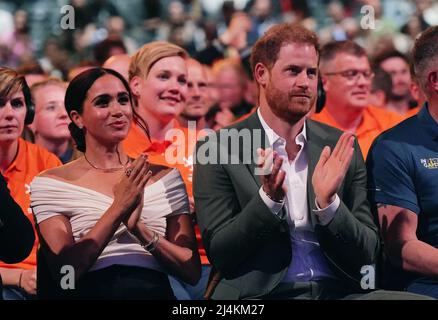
(64, 172)
(159, 171)
(169, 177)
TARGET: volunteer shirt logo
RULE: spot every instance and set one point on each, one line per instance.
(431, 163)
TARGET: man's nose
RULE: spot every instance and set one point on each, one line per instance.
(303, 79)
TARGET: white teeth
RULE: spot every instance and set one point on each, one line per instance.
(171, 99)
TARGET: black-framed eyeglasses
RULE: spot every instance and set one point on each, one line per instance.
(353, 74)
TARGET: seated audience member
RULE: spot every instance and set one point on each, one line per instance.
(121, 223)
(231, 85)
(20, 162)
(197, 103)
(381, 87)
(50, 126)
(32, 72)
(158, 79)
(212, 89)
(119, 63)
(198, 96)
(295, 223)
(397, 65)
(113, 45)
(79, 68)
(403, 178)
(346, 76)
(159, 82)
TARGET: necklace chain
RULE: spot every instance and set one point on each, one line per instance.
(123, 166)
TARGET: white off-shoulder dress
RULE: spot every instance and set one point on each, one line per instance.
(84, 207)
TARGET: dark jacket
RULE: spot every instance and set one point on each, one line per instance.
(16, 232)
(250, 245)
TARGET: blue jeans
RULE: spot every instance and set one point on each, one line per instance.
(425, 286)
(184, 291)
(15, 293)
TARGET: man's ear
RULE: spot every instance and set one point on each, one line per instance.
(432, 80)
(261, 74)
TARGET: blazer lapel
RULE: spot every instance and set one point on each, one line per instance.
(315, 142)
(258, 140)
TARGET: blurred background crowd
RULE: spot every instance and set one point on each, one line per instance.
(375, 35)
(31, 29)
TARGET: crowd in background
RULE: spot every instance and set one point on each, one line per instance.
(31, 30)
(367, 84)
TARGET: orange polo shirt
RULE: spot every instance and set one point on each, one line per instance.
(412, 112)
(181, 150)
(137, 142)
(30, 161)
(374, 121)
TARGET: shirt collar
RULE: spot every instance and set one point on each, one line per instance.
(367, 123)
(428, 123)
(274, 138)
(19, 163)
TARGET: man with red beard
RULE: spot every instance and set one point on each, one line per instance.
(288, 216)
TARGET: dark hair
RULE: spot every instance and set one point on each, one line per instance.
(332, 49)
(382, 81)
(378, 59)
(102, 51)
(425, 49)
(76, 94)
(266, 49)
(30, 68)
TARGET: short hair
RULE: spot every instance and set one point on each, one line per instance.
(48, 82)
(233, 64)
(32, 67)
(382, 81)
(266, 49)
(11, 83)
(424, 51)
(333, 48)
(378, 59)
(102, 50)
(145, 57)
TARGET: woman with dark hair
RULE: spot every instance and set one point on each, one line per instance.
(20, 162)
(122, 224)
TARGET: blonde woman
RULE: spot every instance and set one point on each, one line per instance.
(159, 83)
